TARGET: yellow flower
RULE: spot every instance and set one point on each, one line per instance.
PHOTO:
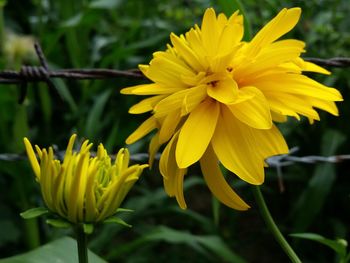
(215, 97)
(83, 189)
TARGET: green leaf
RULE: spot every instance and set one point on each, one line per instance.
(59, 223)
(88, 228)
(116, 220)
(73, 21)
(61, 250)
(9, 232)
(20, 127)
(312, 199)
(201, 244)
(339, 246)
(45, 101)
(105, 4)
(124, 210)
(95, 116)
(34, 212)
(65, 94)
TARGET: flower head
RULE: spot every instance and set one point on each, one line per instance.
(83, 189)
(214, 99)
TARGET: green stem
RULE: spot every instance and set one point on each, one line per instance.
(31, 228)
(265, 213)
(2, 27)
(82, 244)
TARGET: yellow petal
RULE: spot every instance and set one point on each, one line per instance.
(221, 63)
(328, 106)
(196, 133)
(188, 97)
(77, 191)
(153, 148)
(167, 162)
(224, 91)
(277, 117)
(168, 126)
(171, 63)
(149, 89)
(32, 158)
(254, 112)
(194, 40)
(272, 56)
(298, 85)
(44, 168)
(230, 37)
(268, 142)
(288, 103)
(217, 183)
(311, 67)
(69, 150)
(172, 175)
(277, 27)
(210, 32)
(169, 75)
(146, 104)
(242, 149)
(186, 53)
(146, 127)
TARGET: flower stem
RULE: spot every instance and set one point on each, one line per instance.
(82, 244)
(265, 213)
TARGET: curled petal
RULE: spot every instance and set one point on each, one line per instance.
(217, 183)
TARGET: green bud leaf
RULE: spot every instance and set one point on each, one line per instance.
(34, 212)
(88, 228)
(116, 220)
(59, 223)
(124, 210)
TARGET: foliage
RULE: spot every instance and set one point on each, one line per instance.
(121, 34)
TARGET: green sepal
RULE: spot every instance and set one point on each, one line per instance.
(124, 210)
(88, 228)
(34, 212)
(59, 223)
(116, 220)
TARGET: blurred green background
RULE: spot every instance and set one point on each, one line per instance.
(120, 34)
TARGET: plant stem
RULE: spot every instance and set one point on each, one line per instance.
(82, 244)
(2, 27)
(265, 213)
(31, 228)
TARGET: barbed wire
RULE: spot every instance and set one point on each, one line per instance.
(289, 159)
(274, 161)
(43, 73)
(339, 62)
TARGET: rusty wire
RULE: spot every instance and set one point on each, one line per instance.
(338, 62)
(44, 73)
(277, 162)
